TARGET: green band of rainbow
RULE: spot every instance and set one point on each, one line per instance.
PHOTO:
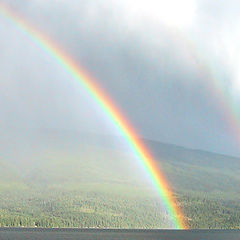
(110, 109)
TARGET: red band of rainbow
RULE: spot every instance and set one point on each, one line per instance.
(106, 104)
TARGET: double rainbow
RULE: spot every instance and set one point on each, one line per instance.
(107, 105)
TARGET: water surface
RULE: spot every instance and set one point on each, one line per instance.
(110, 234)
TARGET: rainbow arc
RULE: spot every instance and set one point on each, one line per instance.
(107, 105)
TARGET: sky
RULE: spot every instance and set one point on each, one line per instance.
(170, 66)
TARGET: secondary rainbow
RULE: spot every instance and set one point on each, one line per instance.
(108, 106)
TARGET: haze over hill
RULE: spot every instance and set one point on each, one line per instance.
(53, 157)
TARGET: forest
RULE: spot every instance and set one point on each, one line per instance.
(103, 187)
(98, 210)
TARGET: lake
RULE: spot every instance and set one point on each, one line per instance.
(112, 234)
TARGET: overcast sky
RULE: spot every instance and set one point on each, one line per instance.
(171, 67)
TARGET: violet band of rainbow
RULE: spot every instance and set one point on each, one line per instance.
(108, 107)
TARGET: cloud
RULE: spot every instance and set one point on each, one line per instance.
(150, 68)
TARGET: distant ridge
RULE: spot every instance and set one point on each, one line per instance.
(36, 152)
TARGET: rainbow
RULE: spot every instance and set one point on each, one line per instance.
(210, 72)
(218, 88)
(108, 107)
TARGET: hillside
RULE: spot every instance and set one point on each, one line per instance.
(198, 171)
(59, 178)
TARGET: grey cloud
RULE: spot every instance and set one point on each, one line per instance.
(149, 72)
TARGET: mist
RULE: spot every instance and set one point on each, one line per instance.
(150, 70)
(172, 70)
